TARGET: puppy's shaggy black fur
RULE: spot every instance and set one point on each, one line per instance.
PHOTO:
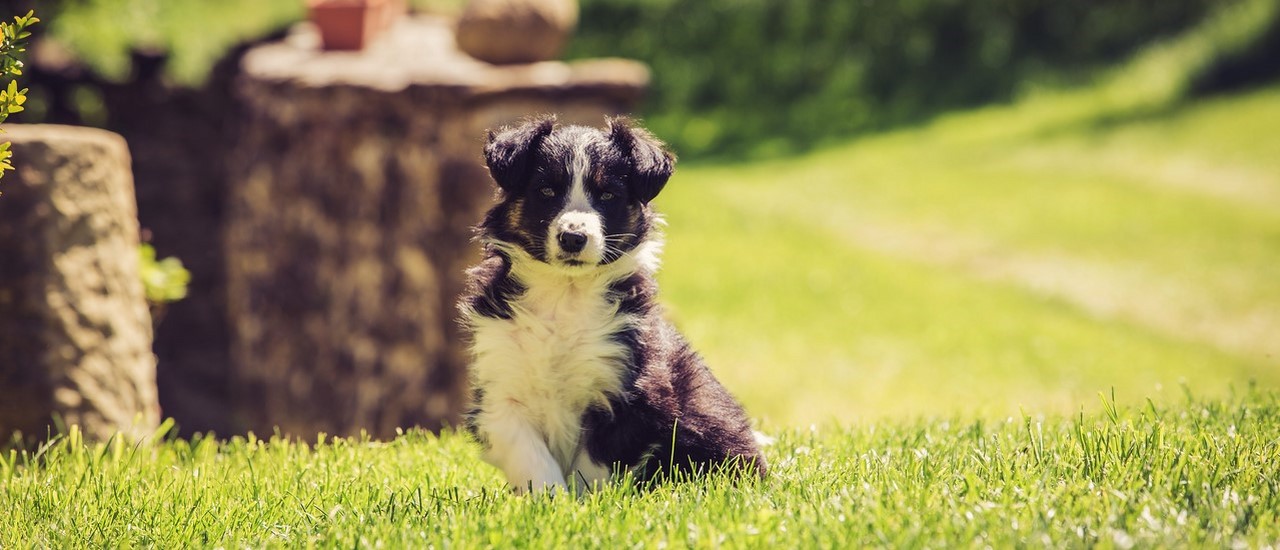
(577, 377)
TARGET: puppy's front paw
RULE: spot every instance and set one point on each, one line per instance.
(540, 488)
(538, 477)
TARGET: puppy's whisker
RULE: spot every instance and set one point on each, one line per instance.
(616, 253)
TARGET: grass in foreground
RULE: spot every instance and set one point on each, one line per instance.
(1194, 473)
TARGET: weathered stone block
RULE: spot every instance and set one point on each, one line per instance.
(75, 333)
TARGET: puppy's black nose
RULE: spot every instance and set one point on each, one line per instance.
(572, 241)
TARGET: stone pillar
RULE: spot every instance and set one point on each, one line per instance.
(353, 192)
(75, 334)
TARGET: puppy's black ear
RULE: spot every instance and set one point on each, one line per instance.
(651, 163)
(509, 151)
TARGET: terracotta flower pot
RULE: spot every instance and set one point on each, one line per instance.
(352, 24)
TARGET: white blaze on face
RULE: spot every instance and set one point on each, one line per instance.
(578, 215)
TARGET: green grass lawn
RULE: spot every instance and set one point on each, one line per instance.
(945, 308)
(1013, 258)
(956, 269)
(1195, 473)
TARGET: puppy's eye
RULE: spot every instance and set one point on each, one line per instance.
(606, 196)
(547, 192)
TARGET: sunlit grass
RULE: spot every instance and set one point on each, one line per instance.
(920, 274)
(1196, 473)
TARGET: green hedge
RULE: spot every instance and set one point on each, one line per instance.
(767, 76)
(754, 77)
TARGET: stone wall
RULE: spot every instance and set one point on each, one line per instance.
(352, 195)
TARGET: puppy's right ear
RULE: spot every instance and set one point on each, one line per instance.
(651, 162)
(509, 152)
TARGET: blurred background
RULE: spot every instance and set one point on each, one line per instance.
(883, 208)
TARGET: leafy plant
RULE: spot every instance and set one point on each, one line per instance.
(12, 47)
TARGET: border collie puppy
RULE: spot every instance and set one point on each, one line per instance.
(576, 376)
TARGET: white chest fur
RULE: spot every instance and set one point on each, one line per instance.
(542, 368)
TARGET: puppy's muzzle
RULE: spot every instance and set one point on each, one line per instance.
(576, 238)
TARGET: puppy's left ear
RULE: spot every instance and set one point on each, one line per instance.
(651, 163)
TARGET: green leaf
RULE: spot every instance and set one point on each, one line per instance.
(163, 281)
(12, 98)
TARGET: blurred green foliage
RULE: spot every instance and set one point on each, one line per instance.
(163, 280)
(196, 33)
(13, 43)
(764, 77)
(761, 77)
